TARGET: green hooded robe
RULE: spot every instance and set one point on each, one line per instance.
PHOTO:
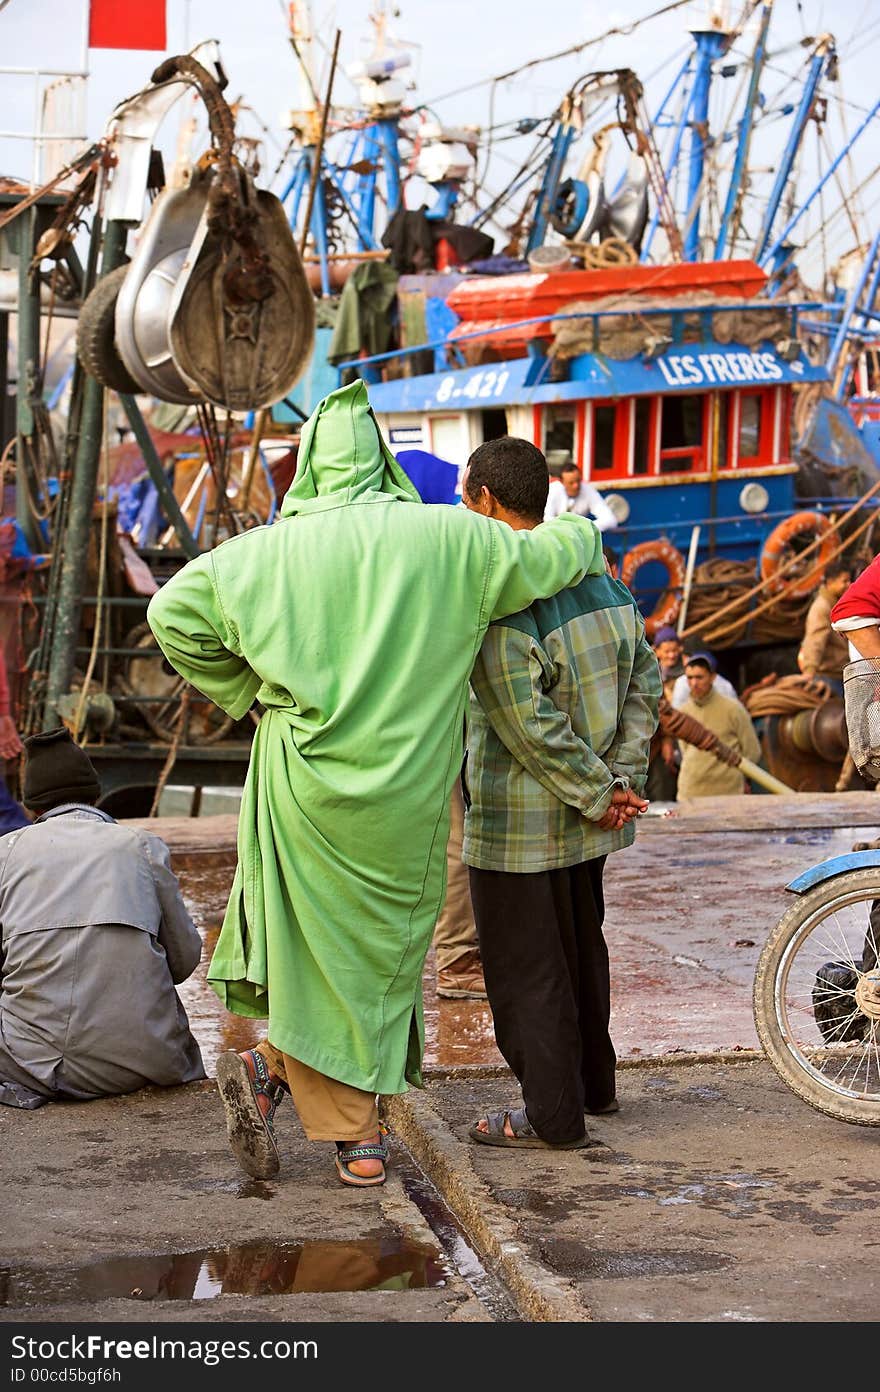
(354, 620)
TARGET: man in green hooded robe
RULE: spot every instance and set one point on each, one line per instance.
(354, 620)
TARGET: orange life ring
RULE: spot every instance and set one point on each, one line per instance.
(666, 609)
(778, 550)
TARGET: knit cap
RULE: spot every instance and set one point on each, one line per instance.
(56, 770)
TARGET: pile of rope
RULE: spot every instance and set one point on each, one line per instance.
(781, 612)
(625, 335)
(784, 695)
(717, 583)
(611, 251)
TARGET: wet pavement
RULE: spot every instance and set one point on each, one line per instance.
(683, 952)
(715, 1194)
(132, 1208)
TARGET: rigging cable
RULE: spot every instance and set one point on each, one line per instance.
(616, 30)
(841, 116)
(822, 226)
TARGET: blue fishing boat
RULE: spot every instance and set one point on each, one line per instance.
(687, 432)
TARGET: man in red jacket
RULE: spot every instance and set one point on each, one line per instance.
(856, 616)
(857, 613)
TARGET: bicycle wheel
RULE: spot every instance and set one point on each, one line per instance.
(817, 997)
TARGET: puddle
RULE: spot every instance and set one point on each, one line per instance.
(253, 1268)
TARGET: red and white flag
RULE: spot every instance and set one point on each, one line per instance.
(127, 24)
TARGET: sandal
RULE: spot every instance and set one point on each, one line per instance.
(346, 1151)
(523, 1134)
(250, 1131)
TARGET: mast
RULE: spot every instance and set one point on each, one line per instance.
(824, 58)
(730, 218)
(711, 43)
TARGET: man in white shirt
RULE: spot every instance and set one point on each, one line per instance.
(681, 691)
(569, 493)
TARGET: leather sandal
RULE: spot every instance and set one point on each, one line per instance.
(250, 1131)
(523, 1134)
(347, 1151)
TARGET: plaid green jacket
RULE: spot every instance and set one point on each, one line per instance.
(563, 705)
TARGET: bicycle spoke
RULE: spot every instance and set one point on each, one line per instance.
(822, 1014)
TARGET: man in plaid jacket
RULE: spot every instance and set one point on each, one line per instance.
(563, 706)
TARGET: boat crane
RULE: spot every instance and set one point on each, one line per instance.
(366, 181)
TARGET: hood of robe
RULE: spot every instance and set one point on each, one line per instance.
(342, 454)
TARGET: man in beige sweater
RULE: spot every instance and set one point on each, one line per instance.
(701, 774)
(824, 653)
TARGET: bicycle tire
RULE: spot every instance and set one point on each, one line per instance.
(796, 1062)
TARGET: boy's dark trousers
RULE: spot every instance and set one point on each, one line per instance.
(546, 967)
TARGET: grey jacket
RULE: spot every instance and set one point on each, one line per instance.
(94, 935)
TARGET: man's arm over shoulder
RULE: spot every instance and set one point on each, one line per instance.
(187, 618)
(529, 565)
(629, 751)
(177, 933)
(507, 683)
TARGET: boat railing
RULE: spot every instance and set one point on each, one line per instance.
(761, 520)
(677, 314)
(832, 324)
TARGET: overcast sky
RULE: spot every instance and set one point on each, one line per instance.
(456, 44)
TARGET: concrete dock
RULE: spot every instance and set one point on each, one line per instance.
(714, 1195)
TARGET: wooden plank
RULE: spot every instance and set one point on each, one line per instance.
(215, 835)
(694, 816)
(763, 813)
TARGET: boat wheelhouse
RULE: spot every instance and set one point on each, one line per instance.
(670, 387)
(676, 432)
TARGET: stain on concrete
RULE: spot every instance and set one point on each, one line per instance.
(575, 1260)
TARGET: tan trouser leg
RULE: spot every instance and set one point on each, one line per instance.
(329, 1110)
(846, 777)
(455, 932)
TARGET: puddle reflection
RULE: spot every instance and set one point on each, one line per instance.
(254, 1268)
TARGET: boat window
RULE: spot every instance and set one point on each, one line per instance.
(559, 433)
(681, 434)
(755, 436)
(749, 426)
(449, 438)
(642, 441)
(494, 424)
(724, 403)
(604, 421)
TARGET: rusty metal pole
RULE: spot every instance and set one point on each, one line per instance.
(319, 148)
(75, 540)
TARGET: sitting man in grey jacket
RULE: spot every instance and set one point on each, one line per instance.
(94, 936)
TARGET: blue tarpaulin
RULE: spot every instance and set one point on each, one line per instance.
(436, 479)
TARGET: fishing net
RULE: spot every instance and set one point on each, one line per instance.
(623, 335)
(861, 693)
